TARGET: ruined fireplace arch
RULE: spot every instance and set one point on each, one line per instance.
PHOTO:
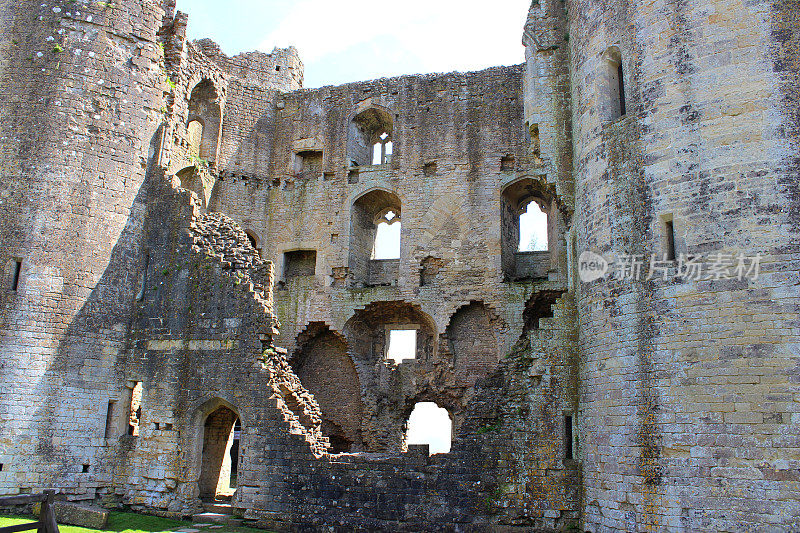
(325, 369)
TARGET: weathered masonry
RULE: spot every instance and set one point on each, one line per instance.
(219, 285)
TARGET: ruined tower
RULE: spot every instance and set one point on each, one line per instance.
(81, 103)
(684, 136)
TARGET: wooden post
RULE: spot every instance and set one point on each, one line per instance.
(47, 517)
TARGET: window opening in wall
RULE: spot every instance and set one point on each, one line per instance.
(308, 164)
(16, 273)
(1, 467)
(85, 468)
(430, 424)
(299, 263)
(382, 150)
(402, 345)
(533, 229)
(536, 146)
(204, 121)
(387, 237)
(669, 231)
(110, 419)
(612, 85)
(370, 137)
(621, 82)
(568, 451)
(135, 413)
(507, 163)
(429, 169)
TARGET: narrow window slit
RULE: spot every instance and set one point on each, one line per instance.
(17, 271)
(669, 227)
(110, 419)
(568, 451)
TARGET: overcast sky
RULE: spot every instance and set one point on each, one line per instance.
(353, 40)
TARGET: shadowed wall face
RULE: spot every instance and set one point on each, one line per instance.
(326, 370)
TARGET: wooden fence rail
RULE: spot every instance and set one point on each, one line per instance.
(47, 518)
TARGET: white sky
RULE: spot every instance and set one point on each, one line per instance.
(353, 40)
(430, 424)
(402, 345)
(533, 229)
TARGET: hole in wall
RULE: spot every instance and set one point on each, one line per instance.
(402, 345)
(669, 231)
(432, 425)
(568, 438)
(299, 263)
(110, 419)
(16, 274)
(429, 169)
(533, 229)
(85, 468)
(135, 412)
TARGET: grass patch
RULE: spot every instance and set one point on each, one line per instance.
(131, 523)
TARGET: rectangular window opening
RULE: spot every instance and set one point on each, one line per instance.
(508, 162)
(135, 413)
(110, 419)
(429, 169)
(1, 467)
(85, 468)
(621, 80)
(568, 451)
(669, 231)
(308, 164)
(402, 345)
(17, 271)
(299, 263)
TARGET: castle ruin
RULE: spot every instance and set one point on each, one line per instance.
(191, 291)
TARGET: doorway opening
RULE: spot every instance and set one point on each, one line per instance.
(220, 456)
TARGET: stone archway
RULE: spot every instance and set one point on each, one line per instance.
(216, 459)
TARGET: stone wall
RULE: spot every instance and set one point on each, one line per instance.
(155, 291)
(81, 94)
(687, 396)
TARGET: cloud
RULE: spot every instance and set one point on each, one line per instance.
(437, 35)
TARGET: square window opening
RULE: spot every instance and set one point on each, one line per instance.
(299, 263)
(402, 345)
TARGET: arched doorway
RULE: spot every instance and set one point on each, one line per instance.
(220, 454)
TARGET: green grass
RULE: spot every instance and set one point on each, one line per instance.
(131, 523)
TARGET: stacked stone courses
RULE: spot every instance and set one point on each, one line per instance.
(191, 310)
